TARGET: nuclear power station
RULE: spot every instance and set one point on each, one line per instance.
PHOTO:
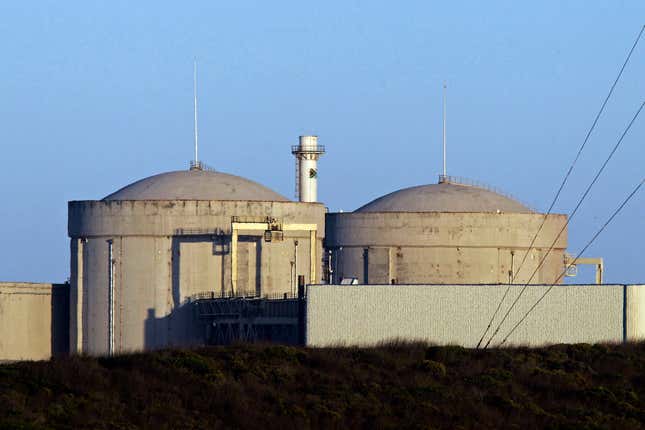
(199, 256)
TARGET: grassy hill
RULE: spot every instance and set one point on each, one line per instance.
(394, 386)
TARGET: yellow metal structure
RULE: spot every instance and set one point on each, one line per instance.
(270, 224)
(600, 268)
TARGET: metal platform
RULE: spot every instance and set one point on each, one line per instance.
(249, 319)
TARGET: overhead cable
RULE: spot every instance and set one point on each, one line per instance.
(574, 262)
(564, 181)
(573, 213)
(584, 143)
(490, 323)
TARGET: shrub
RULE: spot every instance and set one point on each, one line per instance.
(389, 386)
(446, 354)
(434, 368)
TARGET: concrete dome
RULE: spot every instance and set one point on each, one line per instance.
(195, 185)
(444, 197)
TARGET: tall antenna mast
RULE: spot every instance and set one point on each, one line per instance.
(196, 164)
(444, 129)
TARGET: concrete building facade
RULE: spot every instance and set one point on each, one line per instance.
(139, 254)
(446, 233)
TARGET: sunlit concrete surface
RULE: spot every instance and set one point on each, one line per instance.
(195, 185)
(165, 251)
(458, 314)
(33, 320)
(445, 247)
(452, 232)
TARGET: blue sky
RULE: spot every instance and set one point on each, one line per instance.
(95, 95)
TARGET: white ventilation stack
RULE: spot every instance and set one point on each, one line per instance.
(307, 154)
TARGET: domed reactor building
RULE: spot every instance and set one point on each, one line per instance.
(452, 232)
(141, 253)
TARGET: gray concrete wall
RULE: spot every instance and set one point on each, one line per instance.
(175, 217)
(34, 320)
(458, 314)
(444, 248)
(164, 253)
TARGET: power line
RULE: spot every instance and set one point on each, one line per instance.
(584, 143)
(490, 323)
(566, 177)
(539, 266)
(574, 261)
(541, 262)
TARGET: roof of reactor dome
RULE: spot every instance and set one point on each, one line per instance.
(195, 185)
(444, 197)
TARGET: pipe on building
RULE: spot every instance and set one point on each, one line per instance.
(295, 262)
(330, 266)
(111, 297)
(511, 273)
(234, 261)
(391, 265)
(312, 256)
(302, 308)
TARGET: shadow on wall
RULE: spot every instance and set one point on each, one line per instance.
(220, 247)
(180, 329)
(60, 319)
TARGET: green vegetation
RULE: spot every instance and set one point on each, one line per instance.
(392, 386)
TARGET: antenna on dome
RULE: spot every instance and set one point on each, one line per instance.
(444, 130)
(195, 165)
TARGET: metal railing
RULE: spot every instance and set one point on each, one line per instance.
(201, 232)
(458, 180)
(198, 165)
(207, 295)
(308, 149)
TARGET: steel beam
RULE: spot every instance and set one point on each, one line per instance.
(598, 262)
(262, 226)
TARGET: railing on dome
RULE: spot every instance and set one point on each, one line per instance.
(198, 165)
(458, 180)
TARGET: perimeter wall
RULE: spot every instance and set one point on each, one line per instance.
(458, 314)
(34, 320)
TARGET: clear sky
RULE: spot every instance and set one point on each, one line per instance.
(95, 95)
